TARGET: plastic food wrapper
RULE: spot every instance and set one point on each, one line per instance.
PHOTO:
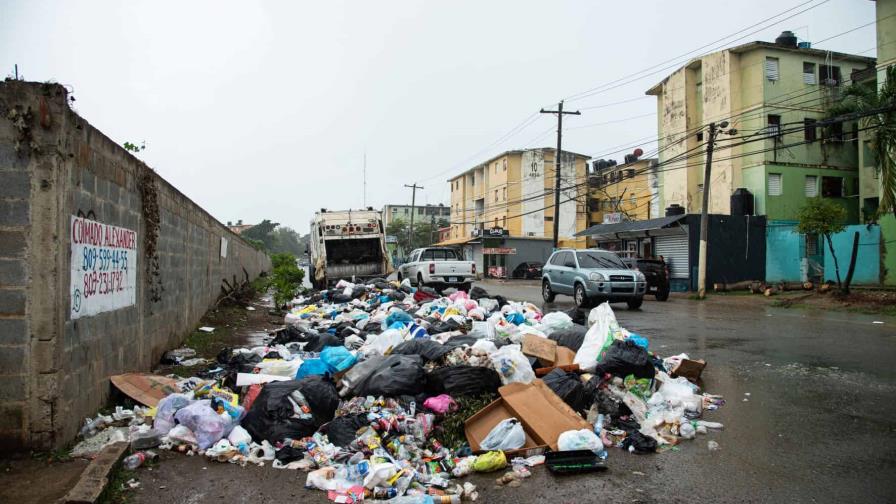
(507, 435)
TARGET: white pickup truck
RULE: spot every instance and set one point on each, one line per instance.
(438, 266)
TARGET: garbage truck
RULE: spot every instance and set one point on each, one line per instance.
(349, 244)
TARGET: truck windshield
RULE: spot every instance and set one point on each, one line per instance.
(439, 255)
(597, 259)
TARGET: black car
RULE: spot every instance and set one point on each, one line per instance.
(527, 270)
(656, 273)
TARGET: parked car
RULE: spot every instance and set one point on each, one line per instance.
(591, 276)
(527, 270)
(438, 267)
(655, 272)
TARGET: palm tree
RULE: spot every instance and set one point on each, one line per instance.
(877, 109)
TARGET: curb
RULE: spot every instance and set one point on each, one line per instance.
(95, 477)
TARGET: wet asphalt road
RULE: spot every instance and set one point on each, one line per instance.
(818, 424)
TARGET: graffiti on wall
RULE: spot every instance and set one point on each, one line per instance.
(103, 267)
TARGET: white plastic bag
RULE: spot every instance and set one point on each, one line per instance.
(555, 321)
(167, 407)
(512, 365)
(579, 440)
(603, 329)
(383, 343)
(487, 304)
(279, 367)
(507, 435)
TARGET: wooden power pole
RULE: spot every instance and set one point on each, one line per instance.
(413, 189)
(557, 163)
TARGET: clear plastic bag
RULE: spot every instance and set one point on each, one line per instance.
(507, 435)
(512, 365)
(583, 439)
(207, 425)
(555, 321)
(168, 406)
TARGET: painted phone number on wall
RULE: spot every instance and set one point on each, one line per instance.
(103, 282)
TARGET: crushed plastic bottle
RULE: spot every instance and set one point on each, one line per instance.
(137, 459)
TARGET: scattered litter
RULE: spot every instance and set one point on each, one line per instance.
(365, 382)
(713, 446)
(207, 329)
(878, 322)
(250, 308)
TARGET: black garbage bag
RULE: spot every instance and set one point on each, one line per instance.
(478, 293)
(626, 358)
(341, 431)
(628, 424)
(462, 380)
(441, 326)
(239, 363)
(578, 315)
(570, 388)
(428, 349)
(641, 443)
(459, 341)
(289, 454)
(358, 291)
(397, 375)
(571, 338)
(397, 295)
(272, 417)
(502, 301)
(314, 341)
(606, 402)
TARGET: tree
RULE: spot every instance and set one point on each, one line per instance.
(286, 240)
(263, 232)
(878, 108)
(822, 216)
(424, 233)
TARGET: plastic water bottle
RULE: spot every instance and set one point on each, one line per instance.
(137, 459)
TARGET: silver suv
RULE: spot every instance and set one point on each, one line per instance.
(591, 276)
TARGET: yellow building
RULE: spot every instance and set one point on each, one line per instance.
(514, 192)
(624, 192)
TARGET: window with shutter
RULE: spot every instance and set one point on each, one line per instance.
(774, 125)
(811, 186)
(809, 131)
(771, 69)
(774, 184)
(808, 73)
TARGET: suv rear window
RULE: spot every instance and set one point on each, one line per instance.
(598, 259)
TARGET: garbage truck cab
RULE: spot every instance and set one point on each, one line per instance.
(349, 244)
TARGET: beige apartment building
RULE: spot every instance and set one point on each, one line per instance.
(513, 194)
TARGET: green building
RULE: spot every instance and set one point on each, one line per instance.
(775, 95)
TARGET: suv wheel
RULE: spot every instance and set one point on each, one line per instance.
(634, 304)
(581, 297)
(662, 294)
(546, 292)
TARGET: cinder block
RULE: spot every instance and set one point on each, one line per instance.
(9, 160)
(12, 273)
(12, 416)
(15, 185)
(12, 388)
(12, 243)
(44, 357)
(12, 302)
(12, 361)
(13, 332)
(15, 212)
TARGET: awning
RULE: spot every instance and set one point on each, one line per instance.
(615, 230)
(454, 241)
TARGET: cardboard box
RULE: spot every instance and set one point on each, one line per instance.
(690, 369)
(565, 356)
(543, 414)
(543, 349)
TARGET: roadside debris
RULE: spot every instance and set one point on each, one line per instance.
(365, 381)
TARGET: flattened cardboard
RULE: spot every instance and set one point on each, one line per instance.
(545, 370)
(565, 356)
(480, 424)
(147, 389)
(543, 414)
(690, 369)
(543, 349)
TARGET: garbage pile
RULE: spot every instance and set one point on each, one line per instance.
(357, 387)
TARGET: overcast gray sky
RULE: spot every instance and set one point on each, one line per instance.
(265, 109)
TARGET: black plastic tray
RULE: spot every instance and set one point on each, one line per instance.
(573, 462)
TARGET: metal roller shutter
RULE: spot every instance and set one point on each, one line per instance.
(674, 250)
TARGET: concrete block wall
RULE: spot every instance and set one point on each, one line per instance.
(54, 371)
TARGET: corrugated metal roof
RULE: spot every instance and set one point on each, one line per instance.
(454, 241)
(624, 227)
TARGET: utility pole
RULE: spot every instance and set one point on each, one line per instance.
(413, 189)
(364, 190)
(704, 212)
(557, 163)
(432, 228)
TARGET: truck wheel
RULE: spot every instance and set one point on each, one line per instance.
(634, 304)
(466, 287)
(662, 295)
(546, 293)
(581, 297)
(419, 280)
